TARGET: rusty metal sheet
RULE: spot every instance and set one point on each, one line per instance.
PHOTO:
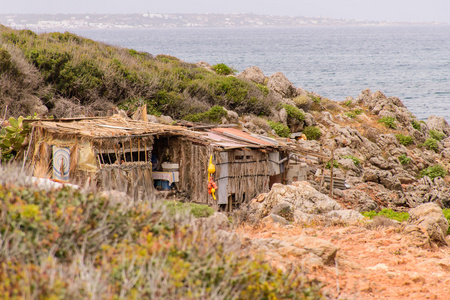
(242, 136)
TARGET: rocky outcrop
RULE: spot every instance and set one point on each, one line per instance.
(310, 250)
(438, 124)
(427, 225)
(299, 203)
(280, 84)
(254, 74)
(299, 196)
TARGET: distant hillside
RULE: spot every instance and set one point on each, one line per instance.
(159, 20)
(66, 75)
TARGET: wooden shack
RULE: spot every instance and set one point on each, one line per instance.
(127, 155)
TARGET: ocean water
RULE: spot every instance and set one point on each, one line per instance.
(409, 62)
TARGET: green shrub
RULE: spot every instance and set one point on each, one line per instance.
(280, 129)
(431, 144)
(294, 112)
(350, 114)
(388, 122)
(315, 99)
(264, 89)
(404, 140)
(416, 125)
(335, 164)
(197, 210)
(302, 101)
(312, 133)
(446, 212)
(348, 102)
(434, 171)
(404, 160)
(437, 135)
(214, 115)
(65, 244)
(388, 213)
(223, 69)
(355, 160)
(12, 137)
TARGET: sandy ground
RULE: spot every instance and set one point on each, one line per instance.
(373, 263)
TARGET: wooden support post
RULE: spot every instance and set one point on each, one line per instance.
(139, 149)
(323, 178)
(145, 151)
(131, 150)
(331, 174)
(117, 154)
(123, 151)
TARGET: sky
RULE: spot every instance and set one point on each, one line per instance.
(370, 10)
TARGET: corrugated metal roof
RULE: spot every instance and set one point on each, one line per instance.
(243, 136)
(220, 140)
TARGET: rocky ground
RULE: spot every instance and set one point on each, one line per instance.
(370, 263)
(354, 257)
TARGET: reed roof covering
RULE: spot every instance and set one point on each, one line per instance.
(114, 126)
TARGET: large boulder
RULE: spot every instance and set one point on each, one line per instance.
(345, 215)
(254, 74)
(280, 84)
(310, 250)
(431, 222)
(301, 196)
(319, 247)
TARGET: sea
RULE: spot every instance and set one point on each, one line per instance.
(410, 62)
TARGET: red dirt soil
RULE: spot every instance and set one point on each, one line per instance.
(372, 264)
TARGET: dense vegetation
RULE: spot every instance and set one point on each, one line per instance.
(66, 244)
(57, 72)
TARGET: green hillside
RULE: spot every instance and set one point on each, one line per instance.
(64, 74)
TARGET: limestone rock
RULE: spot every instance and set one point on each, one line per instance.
(280, 84)
(439, 124)
(283, 209)
(217, 221)
(431, 220)
(275, 219)
(165, 120)
(254, 74)
(322, 248)
(345, 215)
(300, 195)
(363, 202)
(232, 116)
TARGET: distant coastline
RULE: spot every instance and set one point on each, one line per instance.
(43, 22)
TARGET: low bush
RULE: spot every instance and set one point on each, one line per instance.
(312, 132)
(280, 129)
(214, 115)
(437, 135)
(302, 101)
(196, 210)
(355, 160)
(416, 125)
(389, 122)
(335, 164)
(434, 171)
(431, 144)
(388, 213)
(404, 159)
(404, 140)
(65, 244)
(223, 69)
(446, 212)
(294, 112)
